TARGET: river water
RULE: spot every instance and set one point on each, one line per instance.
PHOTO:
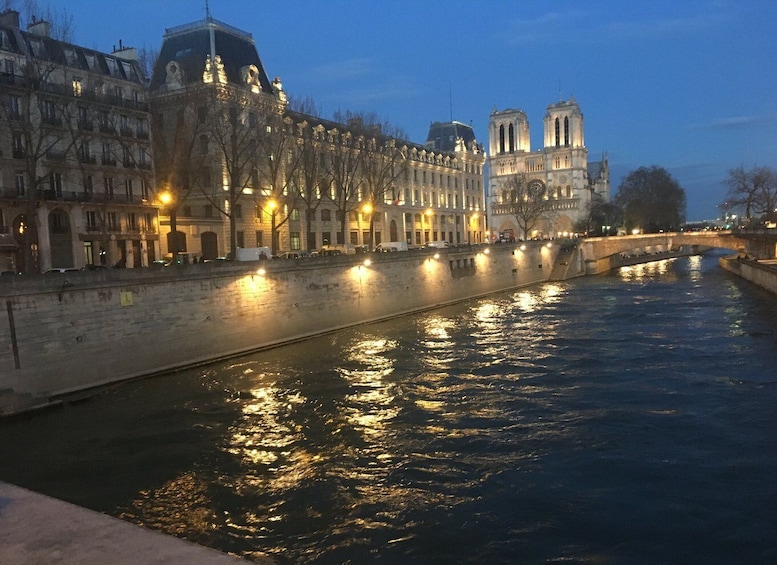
(628, 418)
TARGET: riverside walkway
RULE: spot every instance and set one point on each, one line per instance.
(39, 529)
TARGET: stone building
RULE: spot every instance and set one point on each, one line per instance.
(76, 175)
(242, 169)
(560, 171)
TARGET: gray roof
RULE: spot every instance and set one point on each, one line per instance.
(190, 45)
(442, 135)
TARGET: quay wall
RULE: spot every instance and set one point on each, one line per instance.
(760, 273)
(68, 334)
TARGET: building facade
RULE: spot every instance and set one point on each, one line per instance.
(245, 170)
(560, 171)
(76, 173)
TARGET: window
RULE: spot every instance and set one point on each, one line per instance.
(55, 180)
(237, 210)
(502, 138)
(20, 184)
(144, 190)
(294, 215)
(108, 182)
(128, 189)
(240, 238)
(83, 118)
(295, 241)
(113, 221)
(91, 221)
(208, 211)
(326, 215)
(88, 185)
(187, 211)
(14, 107)
(511, 134)
(566, 131)
(259, 238)
(49, 111)
(76, 87)
(132, 221)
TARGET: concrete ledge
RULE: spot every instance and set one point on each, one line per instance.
(39, 529)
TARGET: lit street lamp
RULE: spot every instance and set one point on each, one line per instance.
(273, 205)
(167, 200)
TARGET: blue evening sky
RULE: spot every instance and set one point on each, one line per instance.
(688, 85)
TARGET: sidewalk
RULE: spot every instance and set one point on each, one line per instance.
(39, 529)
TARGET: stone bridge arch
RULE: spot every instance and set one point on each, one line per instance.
(598, 252)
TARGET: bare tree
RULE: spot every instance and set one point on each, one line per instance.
(32, 115)
(754, 191)
(278, 162)
(526, 200)
(381, 164)
(344, 155)
(181, 156)
(61, 21)
(311, 174)
(233, 126)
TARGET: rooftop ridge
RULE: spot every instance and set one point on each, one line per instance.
(208, 22)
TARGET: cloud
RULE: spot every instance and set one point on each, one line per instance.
(588, 27)
(733, 123)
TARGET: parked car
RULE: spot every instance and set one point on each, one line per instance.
(294, 255)
(391, 246)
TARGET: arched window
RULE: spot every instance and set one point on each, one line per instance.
(501, 139)
(566, 131)
(558, 134)
(511, 136)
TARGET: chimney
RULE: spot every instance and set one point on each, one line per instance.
(40, 27)
(124, 52)
(9, 18)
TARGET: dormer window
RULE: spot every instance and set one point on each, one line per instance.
(76, 87)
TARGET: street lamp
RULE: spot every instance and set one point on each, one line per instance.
(367, 211)
(272, 204)
(474, 218)
(167, 200)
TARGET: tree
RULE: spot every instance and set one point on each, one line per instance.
(526, 200)
(343, 157)
(382, 163)
(61, 21)
(602, 218)
(311, 175)
(179, 167)
(278, 161)
(753, 191)
(651, 200)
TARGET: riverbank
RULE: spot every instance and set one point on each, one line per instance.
(762, 272)
(66, 336)
(41, 529)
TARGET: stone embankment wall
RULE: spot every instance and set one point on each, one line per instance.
(762, 273)
(64, 334)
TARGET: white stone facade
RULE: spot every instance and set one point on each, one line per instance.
(561, 166)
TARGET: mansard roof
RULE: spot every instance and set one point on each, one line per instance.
(328, 125)
(443, 135)
(47, 49)
(191, 44)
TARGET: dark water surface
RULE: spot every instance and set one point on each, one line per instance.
(621, 419)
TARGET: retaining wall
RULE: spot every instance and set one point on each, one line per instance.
(764, 275)
(63, 334)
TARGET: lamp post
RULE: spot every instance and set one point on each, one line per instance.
(168, 201)
(367, 211)
(273, 205)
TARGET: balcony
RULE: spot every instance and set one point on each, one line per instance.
(127, 132)
(87, 159)
(19, 153)
(55, 155)
(142, 134)
(128, 164)
(52, 121)
(108, 161)
(106, 128)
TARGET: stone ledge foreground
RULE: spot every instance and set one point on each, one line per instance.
(39, 529)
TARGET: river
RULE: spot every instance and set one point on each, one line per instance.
(627, 418)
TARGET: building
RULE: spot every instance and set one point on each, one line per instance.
(76, 175)
(242, 169)
(559, 172)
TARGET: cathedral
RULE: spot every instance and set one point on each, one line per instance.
(560, 172)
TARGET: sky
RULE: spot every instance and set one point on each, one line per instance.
(687, 85)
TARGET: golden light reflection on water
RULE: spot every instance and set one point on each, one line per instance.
(371, 406)
(645, 271)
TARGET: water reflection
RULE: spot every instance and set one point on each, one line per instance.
(645, 271)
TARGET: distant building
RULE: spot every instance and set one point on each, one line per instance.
(247, 171)
(76, 175)
(560, 170)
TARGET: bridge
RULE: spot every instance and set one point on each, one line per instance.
(600, 254)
